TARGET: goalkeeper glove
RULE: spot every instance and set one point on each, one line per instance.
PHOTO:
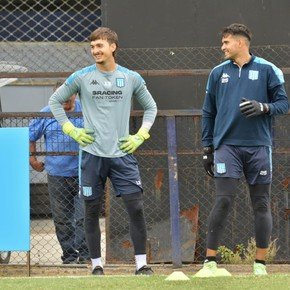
(252, 108)
(208, 160)
(81, 135)
(132, 142)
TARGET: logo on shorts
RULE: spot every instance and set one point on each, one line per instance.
(263, 172)
(87, 191)
(221, 168)
(138, 182)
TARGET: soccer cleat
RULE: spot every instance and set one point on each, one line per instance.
(145, 270)
(259, 269)
(98, 271)
(209, 269)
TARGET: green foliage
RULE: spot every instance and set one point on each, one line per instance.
(246, 255)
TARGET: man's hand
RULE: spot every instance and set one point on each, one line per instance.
(81, 135)
(252, 108)
(37, 165)
(130, 143)
(208, 160)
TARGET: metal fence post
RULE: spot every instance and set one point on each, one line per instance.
(173, 191)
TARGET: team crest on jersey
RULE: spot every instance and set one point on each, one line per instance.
(120, 82)
(253, 74)
(225, 78)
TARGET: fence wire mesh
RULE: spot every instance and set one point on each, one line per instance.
(45, 37)
(67, 57)
(196, 195)
(44, 20)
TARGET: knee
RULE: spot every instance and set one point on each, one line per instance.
(92, 208)
(134, 205)
(223, 203)
(136, 211)
(261, 204)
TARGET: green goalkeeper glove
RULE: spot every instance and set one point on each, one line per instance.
(81, 135)
(130, 143)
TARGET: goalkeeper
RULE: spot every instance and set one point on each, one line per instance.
(106, 91)
(242, 95)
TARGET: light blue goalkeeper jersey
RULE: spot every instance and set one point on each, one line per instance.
(106, 104)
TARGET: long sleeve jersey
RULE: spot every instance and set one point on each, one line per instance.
(222, 121)
(106, 104)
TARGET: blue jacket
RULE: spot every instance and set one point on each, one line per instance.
(222, 121)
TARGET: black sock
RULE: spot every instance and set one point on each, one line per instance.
(260, 261)
(210, 259)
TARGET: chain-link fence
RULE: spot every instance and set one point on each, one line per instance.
(195, 194)
(67, 57)
(54, 20)
(42, 40)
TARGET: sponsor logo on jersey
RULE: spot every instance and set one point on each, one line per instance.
(225, 78)
(253, 74)
(111, 96)
(107, 93)
(94, 82)
(120, 82)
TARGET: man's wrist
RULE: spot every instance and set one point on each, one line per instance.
(144, 133)
(67, 127)
(266, 108)
(32, 160)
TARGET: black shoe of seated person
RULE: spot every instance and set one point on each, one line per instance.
(98, 271)
(145, 270)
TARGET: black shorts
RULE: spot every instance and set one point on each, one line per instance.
(123, 172)
(255, 162)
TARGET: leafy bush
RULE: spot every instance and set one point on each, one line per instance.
(246, 255)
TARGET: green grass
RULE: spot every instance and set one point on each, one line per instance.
(156, 282)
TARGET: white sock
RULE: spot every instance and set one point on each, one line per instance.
(96, 262)
(140, 261)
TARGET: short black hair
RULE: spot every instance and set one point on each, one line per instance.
(237, 29)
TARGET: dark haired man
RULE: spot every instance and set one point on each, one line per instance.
(242, 95)
(106, 90)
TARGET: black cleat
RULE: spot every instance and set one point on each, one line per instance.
(82, 260)
(70, 261)
(145, 270)
(98, 271)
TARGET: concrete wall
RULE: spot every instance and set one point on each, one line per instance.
(193, 23)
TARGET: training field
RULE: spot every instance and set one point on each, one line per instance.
(274, 281)
(122, 277)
